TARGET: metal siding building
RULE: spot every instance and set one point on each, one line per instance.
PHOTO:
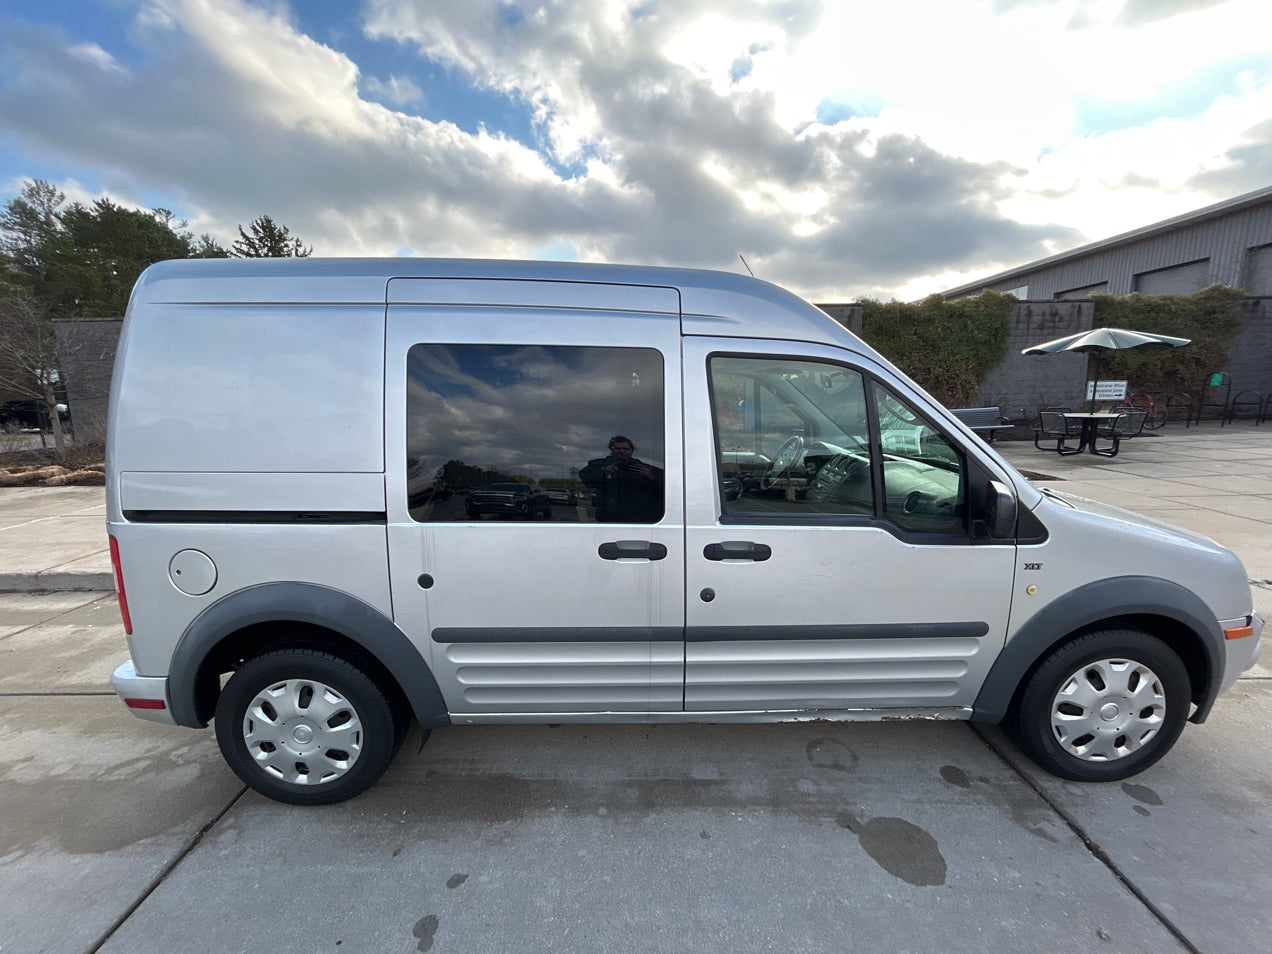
(1229, 243)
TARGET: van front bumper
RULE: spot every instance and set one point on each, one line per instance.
(1242, 652)
(145, 696)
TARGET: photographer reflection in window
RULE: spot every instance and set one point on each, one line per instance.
(627, 490)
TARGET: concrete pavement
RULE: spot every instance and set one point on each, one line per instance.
(53, 539)
(1211, 480)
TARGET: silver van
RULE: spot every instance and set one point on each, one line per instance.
(348, 494)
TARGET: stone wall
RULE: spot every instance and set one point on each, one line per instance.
(87, 349)
(850, 316)
(1250, 360)
(1022, 384)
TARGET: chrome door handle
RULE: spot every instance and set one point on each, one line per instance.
(737, 550)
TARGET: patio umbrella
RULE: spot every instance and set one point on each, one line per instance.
(1098, 339)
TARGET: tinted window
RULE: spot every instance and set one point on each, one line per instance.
(793, 437)
(480, 416)
(922, 470)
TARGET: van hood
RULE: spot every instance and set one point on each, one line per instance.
(1137, 521)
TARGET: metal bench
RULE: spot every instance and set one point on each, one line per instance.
(983, 419)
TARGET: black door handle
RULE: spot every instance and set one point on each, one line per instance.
(632, 550)
(737, 550)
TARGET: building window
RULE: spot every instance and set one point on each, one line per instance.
(1176, 280)
(1086, 291)
(1259, 271)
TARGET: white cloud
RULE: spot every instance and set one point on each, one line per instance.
(94, 54)
(687, 135)
(396, 90)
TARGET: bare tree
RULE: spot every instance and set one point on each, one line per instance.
(28, 353)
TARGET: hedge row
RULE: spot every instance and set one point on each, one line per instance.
(949, 347)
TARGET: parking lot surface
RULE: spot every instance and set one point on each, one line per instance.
(122, 836)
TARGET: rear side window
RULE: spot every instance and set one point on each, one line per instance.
(530, 432)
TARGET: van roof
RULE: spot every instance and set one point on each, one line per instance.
(711, 302)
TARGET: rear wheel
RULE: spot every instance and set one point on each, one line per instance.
(305, 727)
(1103, 707)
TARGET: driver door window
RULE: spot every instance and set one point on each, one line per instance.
(791, 437)
(794, 437)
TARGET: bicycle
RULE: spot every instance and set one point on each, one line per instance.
(1154, 414)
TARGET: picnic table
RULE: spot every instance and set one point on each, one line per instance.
(1090, 422)
(1088, 427)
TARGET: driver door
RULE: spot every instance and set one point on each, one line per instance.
(830, 558)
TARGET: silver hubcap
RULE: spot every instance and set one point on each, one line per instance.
(1108, 710)
(303, 732)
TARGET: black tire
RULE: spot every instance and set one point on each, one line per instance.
(305, 727)
(1103, 707)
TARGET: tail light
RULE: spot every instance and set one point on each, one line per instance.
(119, 585)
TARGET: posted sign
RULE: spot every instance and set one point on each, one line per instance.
(1107, 390)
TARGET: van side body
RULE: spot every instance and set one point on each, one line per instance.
(476, 491)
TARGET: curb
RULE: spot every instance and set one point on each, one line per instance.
(55, 582)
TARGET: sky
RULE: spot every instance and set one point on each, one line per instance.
(842, 149)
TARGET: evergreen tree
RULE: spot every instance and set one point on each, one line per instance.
(83, 260)
(267, 239)
(69, 261)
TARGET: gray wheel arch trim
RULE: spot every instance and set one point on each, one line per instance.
(322, 606)
(1088, 605)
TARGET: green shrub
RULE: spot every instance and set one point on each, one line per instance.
(1211, 317)
(948, 347)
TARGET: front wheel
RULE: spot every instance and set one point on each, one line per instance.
(305, 727)
(1103, 707)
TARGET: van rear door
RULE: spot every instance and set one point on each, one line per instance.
(530, 583)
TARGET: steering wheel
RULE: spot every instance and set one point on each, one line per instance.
(833, 482)
(784, 461)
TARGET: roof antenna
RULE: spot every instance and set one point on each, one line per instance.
(748, 267)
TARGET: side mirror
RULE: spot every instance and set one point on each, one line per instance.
(1000, 511)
